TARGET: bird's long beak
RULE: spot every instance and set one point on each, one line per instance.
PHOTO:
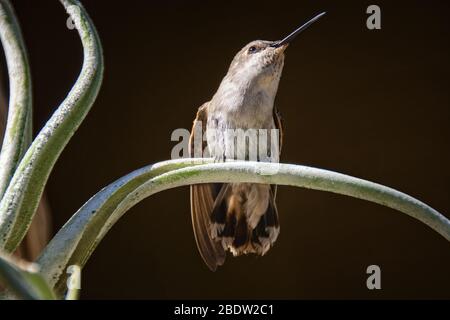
(294, 34)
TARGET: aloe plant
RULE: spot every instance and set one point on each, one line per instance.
(24, 279)
(25, 167)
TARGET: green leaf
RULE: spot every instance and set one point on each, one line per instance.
(22, 196)
(76, 241)
(23, 280)
(18, 131)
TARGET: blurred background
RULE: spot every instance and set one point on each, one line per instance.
(372, 104)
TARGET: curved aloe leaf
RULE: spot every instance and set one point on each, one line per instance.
(23, 280)
(75, 242)
(17, 136)
(24, 192)
(82, 232)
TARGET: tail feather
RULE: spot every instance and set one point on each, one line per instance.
(224, 216)
(238, 236)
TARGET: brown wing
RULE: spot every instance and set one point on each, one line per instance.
(203, 197)
(279, 125)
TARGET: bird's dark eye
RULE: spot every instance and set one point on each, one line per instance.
(252, 49)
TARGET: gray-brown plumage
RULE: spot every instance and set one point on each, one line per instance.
(240, 217)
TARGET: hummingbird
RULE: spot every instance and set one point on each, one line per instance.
(239, 217)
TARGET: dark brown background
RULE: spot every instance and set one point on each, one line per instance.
(373, 104)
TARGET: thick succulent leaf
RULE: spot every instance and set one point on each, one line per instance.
(22, 280)
(17, 137)
(22, 196)
(75, 242)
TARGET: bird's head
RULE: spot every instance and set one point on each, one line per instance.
(261, 62)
